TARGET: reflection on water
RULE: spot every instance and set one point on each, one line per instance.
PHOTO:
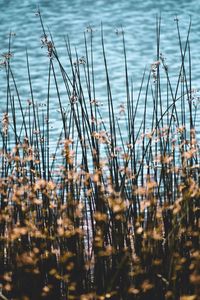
(71, 18)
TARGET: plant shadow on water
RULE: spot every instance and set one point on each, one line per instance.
(115, 214)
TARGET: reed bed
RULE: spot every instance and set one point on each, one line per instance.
(114, 215)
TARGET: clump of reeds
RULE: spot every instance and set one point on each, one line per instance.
(112, 216)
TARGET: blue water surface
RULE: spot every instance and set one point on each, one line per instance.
(72, 18)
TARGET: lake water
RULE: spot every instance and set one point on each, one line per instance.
(71, 18)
